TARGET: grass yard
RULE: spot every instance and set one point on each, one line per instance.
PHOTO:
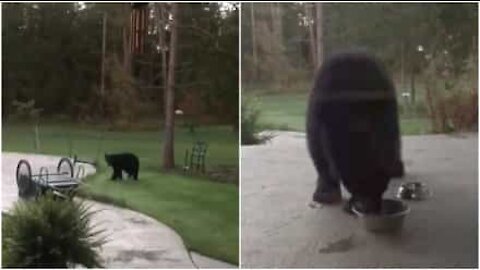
(203, 212)
(284, 111)
(287, 112)
(89, 142)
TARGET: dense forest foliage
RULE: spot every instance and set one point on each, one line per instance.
(404, 36)
(430, 49)
(52, 61)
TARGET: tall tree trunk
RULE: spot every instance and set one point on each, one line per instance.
(402, 66)
(163, 46)
(127, 46)
(254, 41)
(168, 139)
(311, 33)
(319, 36)
(102, 78)
(412, 87)
(162, 41)
(277, 23)
(277, 46)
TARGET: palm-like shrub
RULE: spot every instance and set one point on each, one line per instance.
(50, 233)
(250, 114)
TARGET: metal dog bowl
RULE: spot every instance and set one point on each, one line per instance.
(390, 219)
(413, 191)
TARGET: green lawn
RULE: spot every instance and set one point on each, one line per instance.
(287, 112)
(88, 142)
(204, 213)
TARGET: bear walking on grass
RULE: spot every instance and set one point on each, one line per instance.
(127, 162)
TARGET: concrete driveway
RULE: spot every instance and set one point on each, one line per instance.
(280, 230)
(134, 240)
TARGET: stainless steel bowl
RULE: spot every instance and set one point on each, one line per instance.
(390, 218)
(413, 191)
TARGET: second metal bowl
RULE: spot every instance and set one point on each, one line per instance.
(413, 191)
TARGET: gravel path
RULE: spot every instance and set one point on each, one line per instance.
(134, 240)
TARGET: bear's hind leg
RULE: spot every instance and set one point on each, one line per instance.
(117, 174)
(135, 175)
(328, 189)
(114, 175)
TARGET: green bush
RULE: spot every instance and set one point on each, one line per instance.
(50, 233)
(412, 110)
(451, 97)
(25, 111)
(250, 114)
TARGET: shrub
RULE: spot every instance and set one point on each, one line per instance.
(122, 101)
(412, 110)
(49, 233)
(249, 121)
(25, 111)
(452, 96)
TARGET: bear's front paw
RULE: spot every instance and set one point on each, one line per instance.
(330, 197)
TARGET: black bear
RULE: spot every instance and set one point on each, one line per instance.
(352, 130)
(127, 162)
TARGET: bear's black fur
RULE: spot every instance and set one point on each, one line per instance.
(127, 162)
(352, 130)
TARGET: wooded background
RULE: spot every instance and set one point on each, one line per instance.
(52, 60)
(283, 43)
(430, 50)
